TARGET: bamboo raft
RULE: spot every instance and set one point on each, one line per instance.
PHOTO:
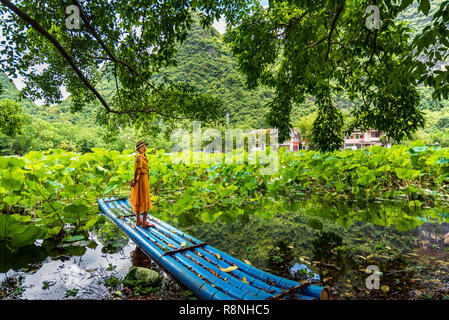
(200, 267)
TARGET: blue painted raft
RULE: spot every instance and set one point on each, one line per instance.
(197, 264)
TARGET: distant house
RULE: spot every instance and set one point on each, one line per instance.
(356, 140)
(361, 140)
(293, 143)
(306, 144)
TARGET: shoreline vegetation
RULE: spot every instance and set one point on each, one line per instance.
(52, 194)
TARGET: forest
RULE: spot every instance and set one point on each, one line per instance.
(206, 62)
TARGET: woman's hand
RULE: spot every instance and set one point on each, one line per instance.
(134, 180)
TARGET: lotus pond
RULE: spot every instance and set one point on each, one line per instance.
(338, 240)
(338, 213)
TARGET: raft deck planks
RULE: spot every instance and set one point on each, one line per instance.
(199, 266)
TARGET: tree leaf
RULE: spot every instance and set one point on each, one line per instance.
(229, 269)
(424, 6)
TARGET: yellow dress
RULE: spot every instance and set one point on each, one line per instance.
(140, 193)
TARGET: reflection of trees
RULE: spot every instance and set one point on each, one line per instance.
(397, 214)
(434, 234)
(140, 259)
(24, 257)
(112, 239)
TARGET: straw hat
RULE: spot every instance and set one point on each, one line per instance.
(141, 143)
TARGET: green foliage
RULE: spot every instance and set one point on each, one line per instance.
(10, 118)
(327, 128)
(315, 223)
(370, 173)
(305, 126)
(294, 48)
(112, 282)
(71, 293)
(436, 130)
(138, 276)
(47, 284)
(57, 189)
(205, 61)
(107, 47)
(42, 193)
(17, 234)
(432, 44)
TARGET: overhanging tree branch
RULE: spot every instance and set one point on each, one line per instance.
(36, 26)
(372, 53)
(94, 33)
(334, 23)
(310, 46)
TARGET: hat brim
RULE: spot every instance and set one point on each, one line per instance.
(142, 144)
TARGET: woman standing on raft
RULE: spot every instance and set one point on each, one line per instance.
(140, 188)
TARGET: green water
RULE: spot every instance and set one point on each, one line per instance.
(338, 241)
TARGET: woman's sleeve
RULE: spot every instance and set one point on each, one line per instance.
(139, 162)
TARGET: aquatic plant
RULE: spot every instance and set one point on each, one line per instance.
(52, 194)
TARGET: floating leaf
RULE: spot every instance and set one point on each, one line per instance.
(90, 223)
(424, 6)
(74, 238)
(229, 269)
(443, 160)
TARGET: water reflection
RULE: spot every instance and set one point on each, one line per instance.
(436, 237)
(140, 259)
(77, 270)
(62, 272)
(340, 240)
(336, 240)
